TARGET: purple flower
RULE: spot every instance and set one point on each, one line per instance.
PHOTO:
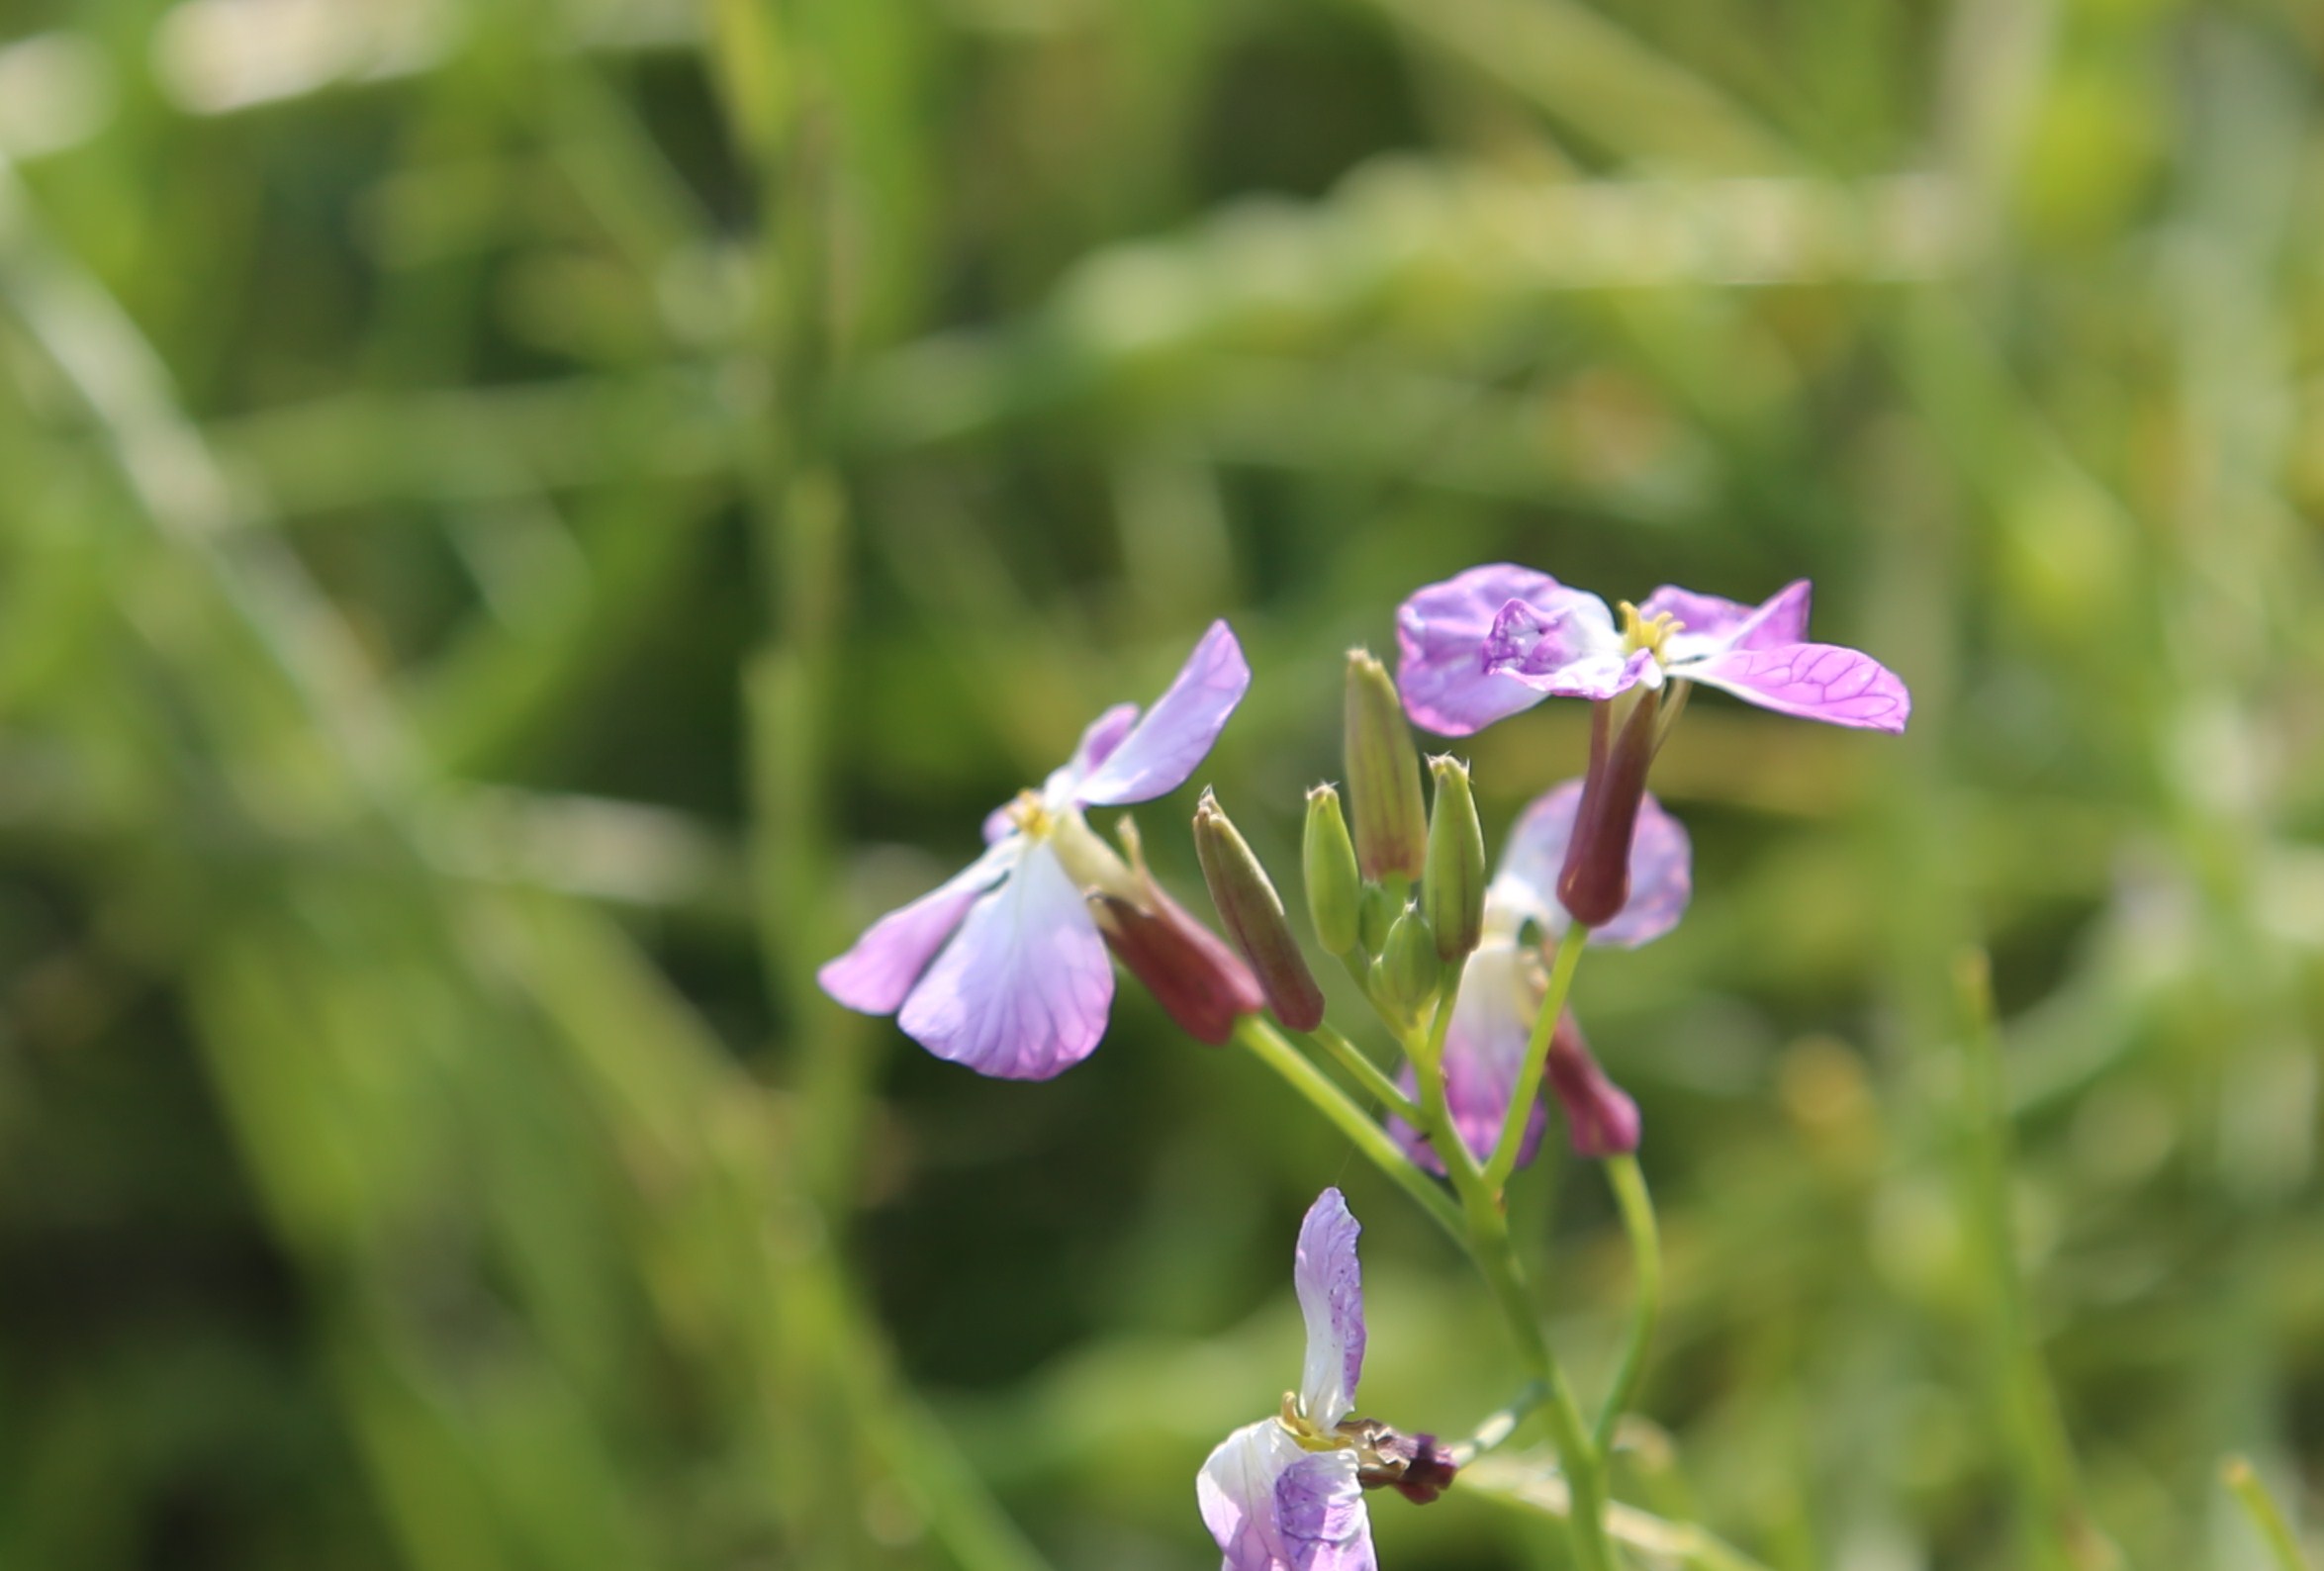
(1502, 985)
(1286, 1494)
(1002, 968)
(1495, 640)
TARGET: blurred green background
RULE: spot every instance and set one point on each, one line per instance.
(523, 523)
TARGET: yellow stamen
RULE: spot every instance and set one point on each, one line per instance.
(1649, 633)
(1030, 817)
(1304, 1430)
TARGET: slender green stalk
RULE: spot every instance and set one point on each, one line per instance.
(1501, 1423)
(1529, 1079)
(1278, 1054)
(2283, 1546)
(1365, 1072)
(1637, 1220)
(1510, 1480)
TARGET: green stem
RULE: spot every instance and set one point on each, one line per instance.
(1637, 1220)
(1370, 1075)
(1501, 1423)
(1529, 1079)
(1278, 1054)
(2244, 1483)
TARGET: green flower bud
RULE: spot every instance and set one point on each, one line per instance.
(1408, 969)
(1253, 915)
(1453, 894)
(1374, 914)
(1327, 860)
(1383, 775)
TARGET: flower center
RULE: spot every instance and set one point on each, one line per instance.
(1310, 1435)
(1032, 817)
(1649, 633)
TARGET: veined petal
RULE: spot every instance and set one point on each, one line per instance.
(876, 973)
(1816, 682)
(1331, 1298)
(1576, 654)
(1441, 634)
(1661, 870)
(1162, 749)
(1710, 626)
(1274, 1506)
(1062, 788)
(1022, 992)
(1484, 1047)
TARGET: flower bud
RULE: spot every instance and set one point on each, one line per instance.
(1376, 913)
(1408, 969)
(1254, 916)
(1595, 882)
(1600, 1118)
(1327, 862)
(1453, 893)
(1383, 775)
(1198, 980)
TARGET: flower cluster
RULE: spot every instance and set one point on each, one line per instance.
(1004, 968)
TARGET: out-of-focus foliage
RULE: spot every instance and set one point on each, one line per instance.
(523, 522)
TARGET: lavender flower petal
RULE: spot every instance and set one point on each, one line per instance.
(1022, 992)
(1320, 1514)
(876, 973)
(1575, 654)
(1816, 682)
(1236, 1494)
(1661, 870)
(1103, 736)
(1331, 1298)
(1162, 749)
(1441, 634)
(1710, 626)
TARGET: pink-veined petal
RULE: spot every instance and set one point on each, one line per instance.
(1331, 1298)
(1484, 1047)
(1162, 749)
(1575, 654)
(1271, 1506)
(1441, 634)
(1021, 992)
(878, 972)
(1816, 682)
(1661, 870)
(1710, 626)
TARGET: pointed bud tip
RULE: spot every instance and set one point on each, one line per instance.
(1252, 914)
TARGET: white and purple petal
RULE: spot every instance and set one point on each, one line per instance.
(1272, 1505)
(1331, 1298)
(1021, 992)
(1661, 870)
(1816, 682)
(1441, 634)
(1710, 626)
(1163, 746)
(878, 972)
(1574, 654)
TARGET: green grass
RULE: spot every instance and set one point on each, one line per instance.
(518, 534)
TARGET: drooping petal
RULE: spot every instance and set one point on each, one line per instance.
(1274, 1506)
(1320, 1509)
(1022, 992)
(1576, 654)
(1484, 1047)
(1710, 626)
(1599, 1117)
(878, 972)
(1816, 682)
(1441, 634)
(1162, 749)
(1331, 1298)
(1661, 870)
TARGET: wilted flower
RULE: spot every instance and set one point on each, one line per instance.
(1495, 640)
(1502, 986)
(1022, 987)
(1286, 1494)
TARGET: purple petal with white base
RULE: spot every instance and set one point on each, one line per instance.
(1575, 655)
(1163, 748)
(1710, 626)
(1816, 682)
(1484, 1047)
(1661, 870)
(1021, 993)
(876, 975)
(1441, 634)
(1331, 1298)
(1272, 1505)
